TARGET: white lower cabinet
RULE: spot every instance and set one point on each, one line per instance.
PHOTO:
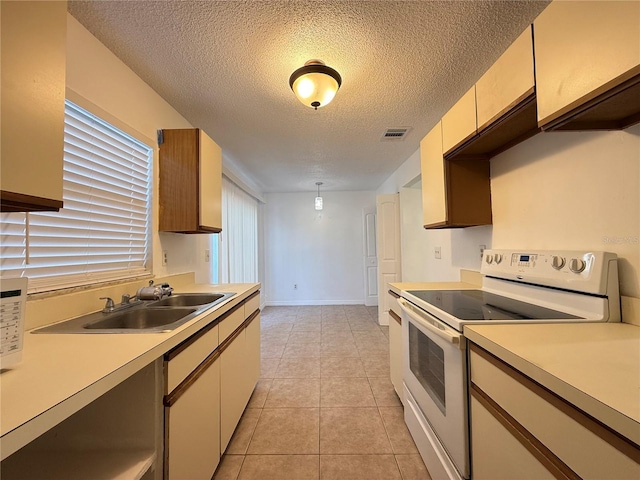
(497, 454)
(209, 379)
(193, 426)
(395, 346)
(521, 430)
(233, 386)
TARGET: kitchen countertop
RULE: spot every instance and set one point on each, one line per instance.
(61, 373)
(397, 287)
(594, 366)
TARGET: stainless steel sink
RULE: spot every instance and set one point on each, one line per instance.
(141, 319)
(149, 317)
(189, 299)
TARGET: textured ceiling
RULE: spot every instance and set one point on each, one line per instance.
(225, 66)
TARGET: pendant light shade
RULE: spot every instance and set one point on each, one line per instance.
(318, 202)
(315, 84)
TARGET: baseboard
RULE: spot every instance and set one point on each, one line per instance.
(295, 303)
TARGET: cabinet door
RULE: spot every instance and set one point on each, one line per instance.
(193, 429)
(210, 183)
(507, 83)
(32, 110)
(581, 47)
(253, 353)
(395, 347)
(190, 177)
(460, 124)
(496, 453)
(434, 205)
(233, 386)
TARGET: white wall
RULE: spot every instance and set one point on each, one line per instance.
(572, 190)
(320, 251)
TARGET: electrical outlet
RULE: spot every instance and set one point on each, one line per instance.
(437, 252)
(164, 258)
(295, 286)
(482, 247)
(207, 255)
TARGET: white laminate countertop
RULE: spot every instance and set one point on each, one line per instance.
(397, 287)
(594, 366)
(61, 373)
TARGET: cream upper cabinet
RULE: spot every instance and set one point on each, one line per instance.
(434, 208)
(508, 82)
(455, 192)
(584, 49)
(460, 124)
(210, 182)
(33, 38)
(190, 187)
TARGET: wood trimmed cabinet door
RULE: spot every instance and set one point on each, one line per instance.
(395, 344)
(535, 433)
(456, 192)
(190, 187)
(588, 65)
(33, 91)
(193, 426)
(459, 124)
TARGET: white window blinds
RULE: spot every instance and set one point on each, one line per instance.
(102, 233)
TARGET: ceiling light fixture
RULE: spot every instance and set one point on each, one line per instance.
(315, 84)
(318, 198)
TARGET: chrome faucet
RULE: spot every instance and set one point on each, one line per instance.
(126, 302)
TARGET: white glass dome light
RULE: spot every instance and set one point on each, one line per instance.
(315, 84)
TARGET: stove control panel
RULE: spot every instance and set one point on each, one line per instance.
(583, 271)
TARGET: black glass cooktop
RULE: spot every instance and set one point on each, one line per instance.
(480, 305)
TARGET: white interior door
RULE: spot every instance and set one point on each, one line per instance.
(389, 260)
(370, 257)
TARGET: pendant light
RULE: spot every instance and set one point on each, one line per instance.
(318, 202)
(315, 84)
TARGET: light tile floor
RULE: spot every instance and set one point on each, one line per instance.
(324, 408)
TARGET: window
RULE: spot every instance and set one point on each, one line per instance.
(238, 243)
(103, 231)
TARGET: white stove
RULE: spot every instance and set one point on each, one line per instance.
(518, 287)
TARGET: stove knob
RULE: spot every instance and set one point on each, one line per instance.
(489, 259)
(558, 262)
(498, 258)
(577, 265)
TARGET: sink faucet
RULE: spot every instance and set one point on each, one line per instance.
(126, 302)
(109, 306)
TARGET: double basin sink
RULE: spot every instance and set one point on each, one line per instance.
(145, 317)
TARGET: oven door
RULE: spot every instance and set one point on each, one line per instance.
(435, 373)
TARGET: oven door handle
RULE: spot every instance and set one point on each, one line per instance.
(432, 325)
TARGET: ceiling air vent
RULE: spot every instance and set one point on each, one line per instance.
(395, 134)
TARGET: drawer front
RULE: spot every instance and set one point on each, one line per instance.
(193, 429)
(230, 322)
(181, 365)
(503, 457)
(586, 447)
(251, 305)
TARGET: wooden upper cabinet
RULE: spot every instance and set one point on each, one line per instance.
(190, 182)
(507, 83)
(33, 38)
(588, 65)
(455, 193)
(459, 124)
